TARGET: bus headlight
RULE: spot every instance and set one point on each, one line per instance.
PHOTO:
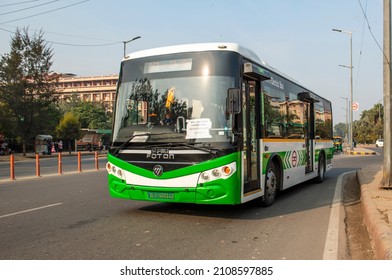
(222, 172)
(205, 176)
(120, 173)
(216, 173)
(114, 170)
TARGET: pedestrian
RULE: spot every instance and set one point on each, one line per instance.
(49, 147)
(100, 144)
(60, 146)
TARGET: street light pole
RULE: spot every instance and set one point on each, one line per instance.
(346, 130)
(351, 85)
(387, 166)
(126, 42)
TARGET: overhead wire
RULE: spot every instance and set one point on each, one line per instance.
(72, 44)
(18, 3)
(371, 33)
(56, 42)
(28, 8)
(46, 12)
(83, 45)
(361, 49)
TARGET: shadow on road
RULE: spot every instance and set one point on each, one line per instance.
(303, 197)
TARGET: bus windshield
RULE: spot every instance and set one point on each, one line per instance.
(175, 98)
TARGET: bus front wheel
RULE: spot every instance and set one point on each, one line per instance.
(271, 185)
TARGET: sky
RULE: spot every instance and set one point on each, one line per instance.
(293, 36)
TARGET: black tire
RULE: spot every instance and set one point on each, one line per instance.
(272, 179)
(321, 169)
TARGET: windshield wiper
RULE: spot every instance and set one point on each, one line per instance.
(125, 144)
(189, 145)
(193, 145)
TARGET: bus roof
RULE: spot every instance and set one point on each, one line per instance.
(217, 46)
(199, 47)
(196, 48)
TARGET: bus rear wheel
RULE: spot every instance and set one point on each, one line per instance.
(271, 185)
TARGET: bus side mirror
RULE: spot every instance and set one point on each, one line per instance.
(233, 101)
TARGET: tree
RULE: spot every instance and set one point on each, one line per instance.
(90, 114)
(340, 129)
(7, 123)
(27, 87)
(68, 129)
(370, 126)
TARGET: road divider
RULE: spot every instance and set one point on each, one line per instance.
(12, 167)
(59, 164)
(79, 161)
(37, 166)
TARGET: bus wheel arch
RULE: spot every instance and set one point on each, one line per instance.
(321, 167)
(273, 181)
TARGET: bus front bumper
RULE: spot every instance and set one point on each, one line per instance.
(206, 193)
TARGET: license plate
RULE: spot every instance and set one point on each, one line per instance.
(161, 195)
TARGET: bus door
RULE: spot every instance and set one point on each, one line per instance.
(308, 100)
(250, 144)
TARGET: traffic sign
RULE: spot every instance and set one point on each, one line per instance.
(355, 106)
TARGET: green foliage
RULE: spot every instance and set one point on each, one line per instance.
(370, 125)
(69, 127)
(340, 130)
(27, 87)
(7, 123)
(368, 128)
(90, 114)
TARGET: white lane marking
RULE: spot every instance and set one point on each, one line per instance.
(332, 241)
(29, 210)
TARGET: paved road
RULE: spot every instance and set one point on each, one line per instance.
(72, 217)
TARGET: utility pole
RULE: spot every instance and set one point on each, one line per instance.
(386, 182)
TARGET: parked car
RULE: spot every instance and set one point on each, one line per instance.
(380, 143)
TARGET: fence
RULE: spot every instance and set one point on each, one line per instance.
(60, 171)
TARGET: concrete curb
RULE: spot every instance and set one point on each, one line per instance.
(379, 232)
(360, 153)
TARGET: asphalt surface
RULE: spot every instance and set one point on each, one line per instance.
(376, 206)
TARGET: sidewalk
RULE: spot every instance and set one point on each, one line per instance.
(376, 206)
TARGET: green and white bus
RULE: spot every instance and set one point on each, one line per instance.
(213, 124)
